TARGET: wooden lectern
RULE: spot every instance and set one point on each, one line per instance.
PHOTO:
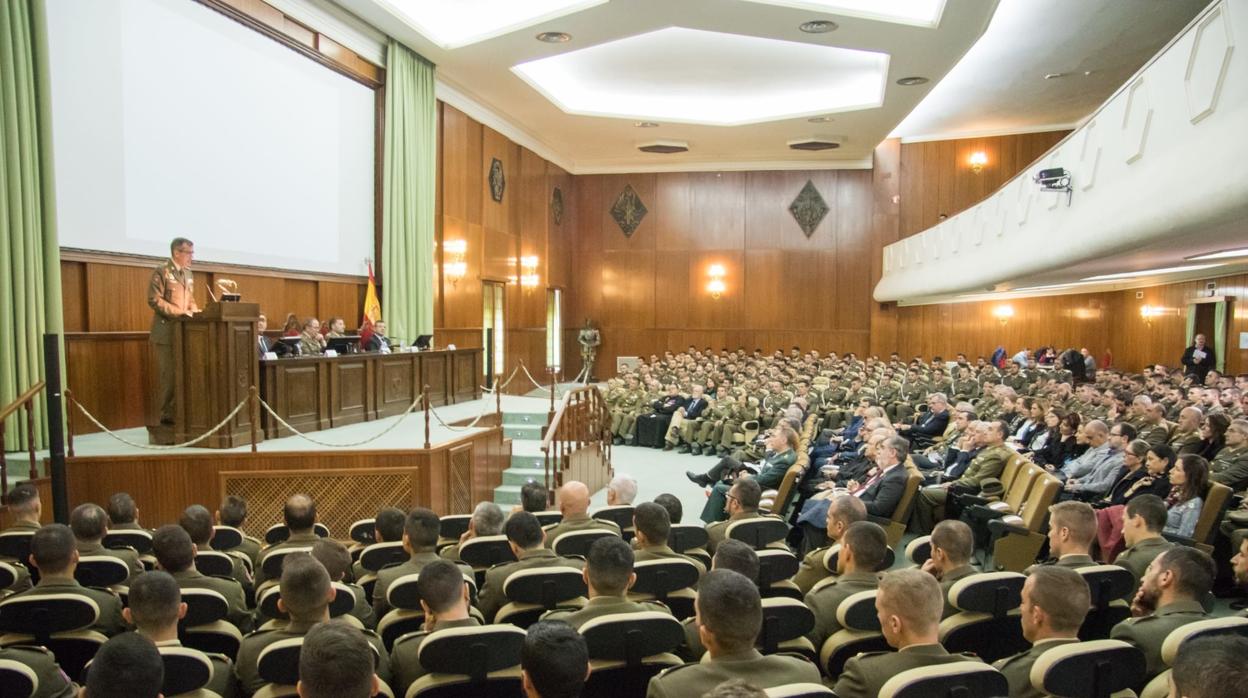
(215, 363)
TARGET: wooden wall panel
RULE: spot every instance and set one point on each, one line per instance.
(74, 295)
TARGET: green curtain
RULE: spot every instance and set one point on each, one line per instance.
(1191, 324)
(30, 287)
(1219, 334)
(408, 191)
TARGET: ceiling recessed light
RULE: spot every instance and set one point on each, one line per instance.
(819, 26)
(816, 143)
(919, 13)
(1054, 76)
(913, 80)
(454, 23)
(821, 119)
(554, 37)
(1150, 272)
(646, 124)
(1223, 254)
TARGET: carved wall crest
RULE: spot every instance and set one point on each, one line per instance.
(628, 210)
(556, 206)
(497, 181)
(808, 208)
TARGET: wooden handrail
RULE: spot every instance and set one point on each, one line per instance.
(26, 400)
(579, 422)
(21, 400)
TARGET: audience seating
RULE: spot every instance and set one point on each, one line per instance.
(780, 500)
(452, 527)
(776, 568)
(362, 531)
(953, 680)
(379, 556)
(758, 532)
(895, 525)
(988, 623)
(8, 577)
(204, 628)
(532, 592)
(15, 545)
(799, 690)
(576, 543)
(785, 624)
(830, 555)
(278, 665)
(187, 672)
(18, 679)
(59, 622)
(101, 571)
(227, 538)
(140, 541)
(1216, 499)
(406, 614)
(691, 540)
(1016, 540)
(480, 662)
(344, 601)
(621, 515)
(548, 518)
(669, 582)
(484, 552)
(860, 632)
(919, 550)
(271, 562)
(627, 649)
(278, 532)
(1096, 669)
(1159, 687)
(214, 564)
(1110, 585)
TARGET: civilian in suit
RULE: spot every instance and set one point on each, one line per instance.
(883, 491)
(930, 425)
(1054, 603)
(685, 422)
(1198, 359)
(378, 341)
(263, 346)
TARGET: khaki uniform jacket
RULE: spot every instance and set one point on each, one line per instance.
(1230, 467)
(811, 571)
(1149, 632)
(492, 598)
(238, 614)
(22, 583)
(53, 683)
(405, 657)
(580, 522)
(1138, 557)
(866, 674)
(246, 665)
(250, 547)
(1017, 669)
(663, 552)
(761, 671)
(363, 608)
(109, 621)
(824, 598)
(1185, 442)
(989, 463)
(717, 531)
(604, 606)
(1154, 434)
(296, 540)
(170, 294)
(1074, 562)
(222, 682)
(420, 557)
(126, 555)
(947, 580)
(238, 569)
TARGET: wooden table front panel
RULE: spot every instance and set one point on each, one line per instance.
(350, 390)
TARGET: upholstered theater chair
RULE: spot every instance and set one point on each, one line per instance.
(535, 591)
(1110, 585)
(576, 543)
(227, 537)
(1096, 669)
(140, 541)
(1015, 540)
(8, 577)
(484, 552)
(776, 568)
(213, 563)
(549, 518)
(621, 515)
(830, 555)
(18, 679)
(799, 690)
(988, 620)
(379, 556)
(102, 572)
(1159, 687)
(59, 622)
(919, 550)
(340, 607)
(860, 632)
(187, 672)
(785, 624)
(956, 680)
(669, 582)
(627, 649)
(278, 533)
(690, 539)
(451, 528)
(272, 562)
(204, 628)
(362, 531)
(758, 532)
(480, 662)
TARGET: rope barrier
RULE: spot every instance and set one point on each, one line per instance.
(502, 385)
(151, 447)
(486, 408)
(534, 380)
(327, 444)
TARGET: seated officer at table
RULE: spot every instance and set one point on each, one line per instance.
(378, 341)
(311, 343)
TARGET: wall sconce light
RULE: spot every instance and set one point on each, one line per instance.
(528, 272)
(1148, 312)
(454, 264)
(1003, 313)
(716, 286)
(978, 160)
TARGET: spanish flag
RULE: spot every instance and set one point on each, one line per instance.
(372, 309)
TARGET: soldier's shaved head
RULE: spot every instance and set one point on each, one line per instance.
(573, 498)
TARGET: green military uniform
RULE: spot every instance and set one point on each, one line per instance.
(663, 552)
(717, 531)
(405, 657)
(811, 571)
(1138, 557)
(302, 539)
(387, 576)
(827, 595)
(126, 555)
(1017, 381)
(603, 606)
(578, 522)
(53, 683)
(772, 403)
(742, 413)
(1154, 434)
(711, 429)
(930, 504)
(910, 395)
(835, 398)
(1149, 632)
(22, 582)
(866, 674)
(947, 580)
(239, 569)
(250, 547)
(1230, 467)
(965, 389)
(1017, 669)
(170, 294)
(235, 599)
(492, 598)
(246, 664)
(109, 622)
(761, 671)
(363, 608)
(1074, 561)
(630, 406)
(222, 681)
(1185, 442)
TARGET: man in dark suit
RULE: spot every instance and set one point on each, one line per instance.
(1198, 359)
(685, 422)
(882, 492)
(263, 346)
(930, 425)
(378, 341)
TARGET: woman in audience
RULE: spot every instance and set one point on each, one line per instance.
(1213, 435)
(1046, 432)
(1189, 480)
(1065, 445)
(1032, 424)
(1147, 475)
(291, 328)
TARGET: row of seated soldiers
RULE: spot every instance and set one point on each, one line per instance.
(716, 401)
(1168, 587)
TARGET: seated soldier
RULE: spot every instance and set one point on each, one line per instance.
(154, 608)
(336, 559)
(1055, 601)
(123, 513)
(621, 490)
(608, 575)
(1210, 667)
(306, 593)
(1143, 519)
(742, 503)
(89, 523)
(1169, 597)
(335, 661)
(127, 665)
(1072, 529)
(863, 549)
(487, 520)
(729, 616)
(675, 510)
(950, 561)
(233, 513)
(196, 520)
(573, 503)
(652, 528)
(931, 501)
(53, 683)
(175, 554)
(444, 599)
(526, 538)
(387, 528)
(843, 510)
(554, 661)
(24, 510)
(299, 513)
(532, 497)
(53, 551)
(420, 540)
(909, 605)
(732, 555)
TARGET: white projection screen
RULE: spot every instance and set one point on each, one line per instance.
(170, 119)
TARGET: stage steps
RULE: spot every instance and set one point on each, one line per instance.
(527, 462)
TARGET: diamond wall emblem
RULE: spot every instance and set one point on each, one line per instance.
(628, 210)
(497, 181)
(556, 206)
(1207, 65)
(808, 208)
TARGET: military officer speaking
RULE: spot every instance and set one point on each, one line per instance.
(170, 293)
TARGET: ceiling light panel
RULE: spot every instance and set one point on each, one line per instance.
(1151, 272)
(920, 13)
(455, 23)
(1224, 254)
(703, 77)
